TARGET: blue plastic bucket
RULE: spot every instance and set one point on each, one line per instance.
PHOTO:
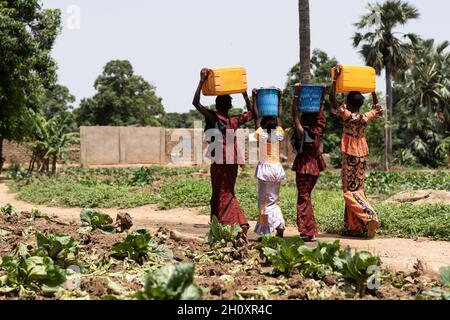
(267, 102)
(310, 98)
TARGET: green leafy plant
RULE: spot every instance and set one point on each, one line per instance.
(139, 247)
(171, 283)
(269, 241)
(283, 254)
(445, 281)
(9, 210)
(319, 261)
(24, 271)
(358, 268)
(220, 235)
(289, 253)
(97, 220)
(61, 248)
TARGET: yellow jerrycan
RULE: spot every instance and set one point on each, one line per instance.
(356, 78)
(225, 80)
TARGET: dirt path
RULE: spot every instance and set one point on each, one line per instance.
(399, 254)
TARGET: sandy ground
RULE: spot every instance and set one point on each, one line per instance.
(421, 197)
(398, 254)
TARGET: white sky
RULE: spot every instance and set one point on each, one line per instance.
(169, 41)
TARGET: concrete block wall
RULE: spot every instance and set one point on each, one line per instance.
(132, 146)
(122, 145)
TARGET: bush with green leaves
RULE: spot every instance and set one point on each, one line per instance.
(388, 182)
(84, 192)
(183, 192)
(25, 274)
(220, 235)
(95, 219)
(63, 249)
(140, 247)
(171, 283)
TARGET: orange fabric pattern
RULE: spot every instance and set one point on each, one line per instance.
(358, 211)
(355, 124)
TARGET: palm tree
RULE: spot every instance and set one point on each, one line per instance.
(382, 48)
(423, 93)
(305, 41)
(427, 83)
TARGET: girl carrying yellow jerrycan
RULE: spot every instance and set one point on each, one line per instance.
(360, 218)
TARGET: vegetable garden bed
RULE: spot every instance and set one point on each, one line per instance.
(44, 258)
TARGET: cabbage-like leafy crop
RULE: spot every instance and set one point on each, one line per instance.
(171, 283)
(139, 247)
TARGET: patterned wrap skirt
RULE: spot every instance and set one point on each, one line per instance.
(358, 211)
(306, 222)
(224, 204)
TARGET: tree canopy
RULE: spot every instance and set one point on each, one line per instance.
(383, 48)
(123, 98)
(27, 35)
(422, 122)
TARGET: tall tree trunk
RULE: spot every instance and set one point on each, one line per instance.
(388, 128)
(32, 162)
(305, 41)
(54, 160)
(1, 154)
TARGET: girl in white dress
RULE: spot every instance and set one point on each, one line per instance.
(270, 174)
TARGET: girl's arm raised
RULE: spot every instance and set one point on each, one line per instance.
(377, 109)
(254, 108)
(196, 102)
(334, 103)
(280, 112)
(297, 123)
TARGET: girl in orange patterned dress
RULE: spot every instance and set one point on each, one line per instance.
(360, 218)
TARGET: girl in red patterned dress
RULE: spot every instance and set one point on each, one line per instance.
(308, 164)
(224, 204)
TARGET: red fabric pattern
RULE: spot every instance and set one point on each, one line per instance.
(224, 204)
(310, 161)
(308, 164)
(233, 123)
(306, 221)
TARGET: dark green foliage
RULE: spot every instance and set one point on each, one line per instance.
(27, 35)
(122, 99)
